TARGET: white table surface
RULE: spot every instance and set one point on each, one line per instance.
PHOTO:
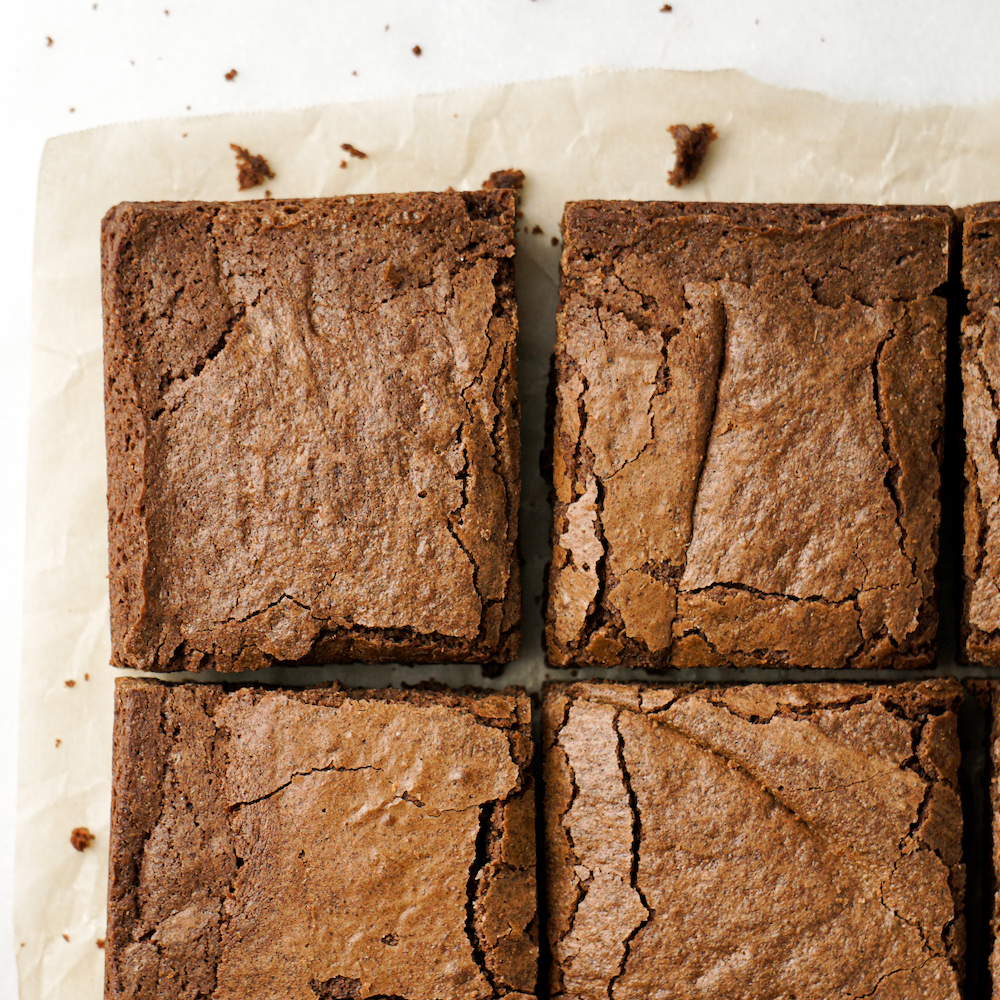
(125, 60)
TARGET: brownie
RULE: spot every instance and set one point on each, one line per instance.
(312, 429)
(980, 383)
(755, 842)
(747, 436)
(320, 843)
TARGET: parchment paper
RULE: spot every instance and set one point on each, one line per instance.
(596, 136)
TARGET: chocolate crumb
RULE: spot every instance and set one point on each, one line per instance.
(251, 170)
(65, 937)
(417, 50)
(348, 148)
(518, 214)
(100, 942)
(555, 241)
(392, 276)
(58, 742)
(86, 677)
(167, 12)
(343, 164)
(666, 9)
(70, 683)
(537, 231)
(500, 179)
(387, 27)
(81, 838)
(48, 41)
(184, 135)
(231, 75)
(354, 72)
(690, 145)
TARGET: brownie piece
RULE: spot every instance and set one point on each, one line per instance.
(980, 383)
(320, 843)
(755, 842)
(747, 437)
(690, 148)
(312, 430)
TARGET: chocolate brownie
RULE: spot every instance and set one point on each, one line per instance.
(747, 435)
(980, 384)
(312, 429)
(690, 149)
(755, 842)
(320, 843)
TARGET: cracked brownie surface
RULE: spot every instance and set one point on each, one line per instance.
(754, 843)
(747, 441)
(321, 843)
(312, 429)
(980, 385)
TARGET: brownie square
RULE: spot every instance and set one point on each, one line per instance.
(980, 380)
(754, 842)
(747, 440)
(312, 429)
(320, 843)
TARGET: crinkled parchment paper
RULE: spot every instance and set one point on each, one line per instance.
(596, 136)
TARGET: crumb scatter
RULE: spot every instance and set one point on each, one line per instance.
(81, 838)
(251, 169)
(348, 148)
(690, 147)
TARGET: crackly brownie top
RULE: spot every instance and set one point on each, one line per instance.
(320, 843)
(980, 384)
(749, 407)
(754, 842)
(311, 422)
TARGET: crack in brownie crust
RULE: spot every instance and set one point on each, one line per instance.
(754, 842)
(749, 411)
(981, 405)
(321, 843)
(312, 431)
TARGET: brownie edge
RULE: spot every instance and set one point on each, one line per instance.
(312, 429)
(320, 841)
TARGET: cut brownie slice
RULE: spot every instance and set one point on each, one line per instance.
(320, 843)
(312, 431)
(980, 384)
(748, 433)
(755, 842)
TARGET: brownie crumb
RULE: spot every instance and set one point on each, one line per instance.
(666, 9)
(70, 683)
(354, 72)
(417, 50)
(48, 41)
(348, 148)
(231, 75)
(537, 231)
(86, 677)
(391, 940)
(71, 110)
(81, 838)
(690, 145)
(251, 170)
(65, 937)
(100, 942)
(555, 241)
(267, 192)
(500, 179)
(343, 164)
(392, 276)
(58, 743)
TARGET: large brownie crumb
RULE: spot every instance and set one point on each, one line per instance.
(500, 179)
(754, 842)
(321, 843)
(690, 147)
(748, 435)
(81, 838)
(251, 169)
(312, 431)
